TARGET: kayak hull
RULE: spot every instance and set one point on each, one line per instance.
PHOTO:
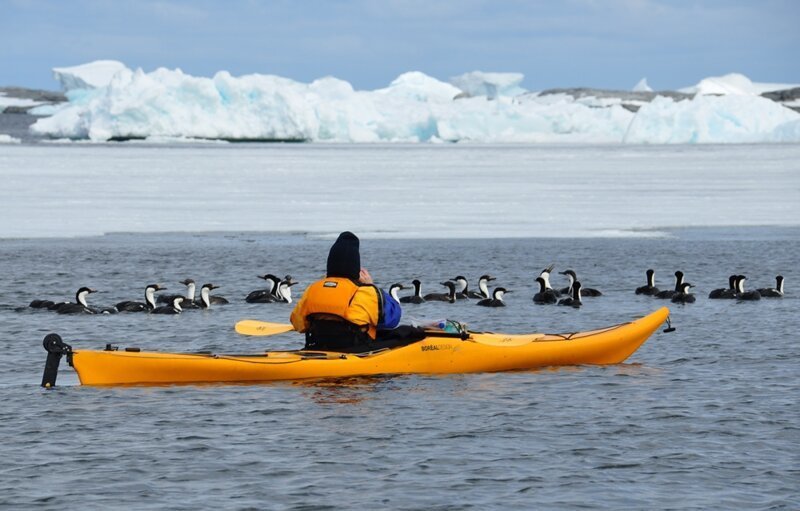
(481, 352)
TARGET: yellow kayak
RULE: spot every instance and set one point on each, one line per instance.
(479, 352)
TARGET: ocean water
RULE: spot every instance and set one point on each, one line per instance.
(705, 417)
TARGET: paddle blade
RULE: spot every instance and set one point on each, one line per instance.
(261, 328)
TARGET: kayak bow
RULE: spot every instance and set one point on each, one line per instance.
(479, 352)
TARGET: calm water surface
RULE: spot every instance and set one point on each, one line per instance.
(702, 418)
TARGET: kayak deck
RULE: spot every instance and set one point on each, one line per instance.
(480, 352)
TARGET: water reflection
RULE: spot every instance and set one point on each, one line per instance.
(350, 390)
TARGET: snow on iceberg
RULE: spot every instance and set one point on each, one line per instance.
(491, 85)
(87, 76)
(418, 86)
(735, 84)
(169, 104)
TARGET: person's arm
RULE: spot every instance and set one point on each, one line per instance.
(391, 309)
(391, 312)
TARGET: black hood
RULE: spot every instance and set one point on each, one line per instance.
(344, 259)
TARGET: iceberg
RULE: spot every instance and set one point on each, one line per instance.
(491, 85)
(713, 120)
(642, 86)
(87, 76)
(476, 107)
(734, 84)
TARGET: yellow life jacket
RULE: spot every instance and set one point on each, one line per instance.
(340, 298)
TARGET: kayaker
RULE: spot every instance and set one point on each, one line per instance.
(345, 310)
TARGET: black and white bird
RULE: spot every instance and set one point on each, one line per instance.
(496, 300)
(483, 287)
(545, 275)
(462, 288)
(146, 306)
(745, 295)
(726, 292)
(189, 297)
(79, 306)
(668, 293)
(283, 293)
(48, 304)
(205, 296)
(417, 296)
(573, 277)
(173, 308)
(773, 292)
(683, 295)
(265, 295)
(575, 299)
(449, 296)
(394, 289)
(545, 295)
(217, 300)
(650, 289)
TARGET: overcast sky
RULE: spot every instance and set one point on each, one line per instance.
(557, 43)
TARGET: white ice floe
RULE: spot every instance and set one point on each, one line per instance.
(396, 190)
(6, 101)
(8, 139)
(415, 107)
(46, 110)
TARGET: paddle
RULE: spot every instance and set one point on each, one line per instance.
(255, 327)
(265, 328)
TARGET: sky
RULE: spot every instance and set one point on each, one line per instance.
(608, 44)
